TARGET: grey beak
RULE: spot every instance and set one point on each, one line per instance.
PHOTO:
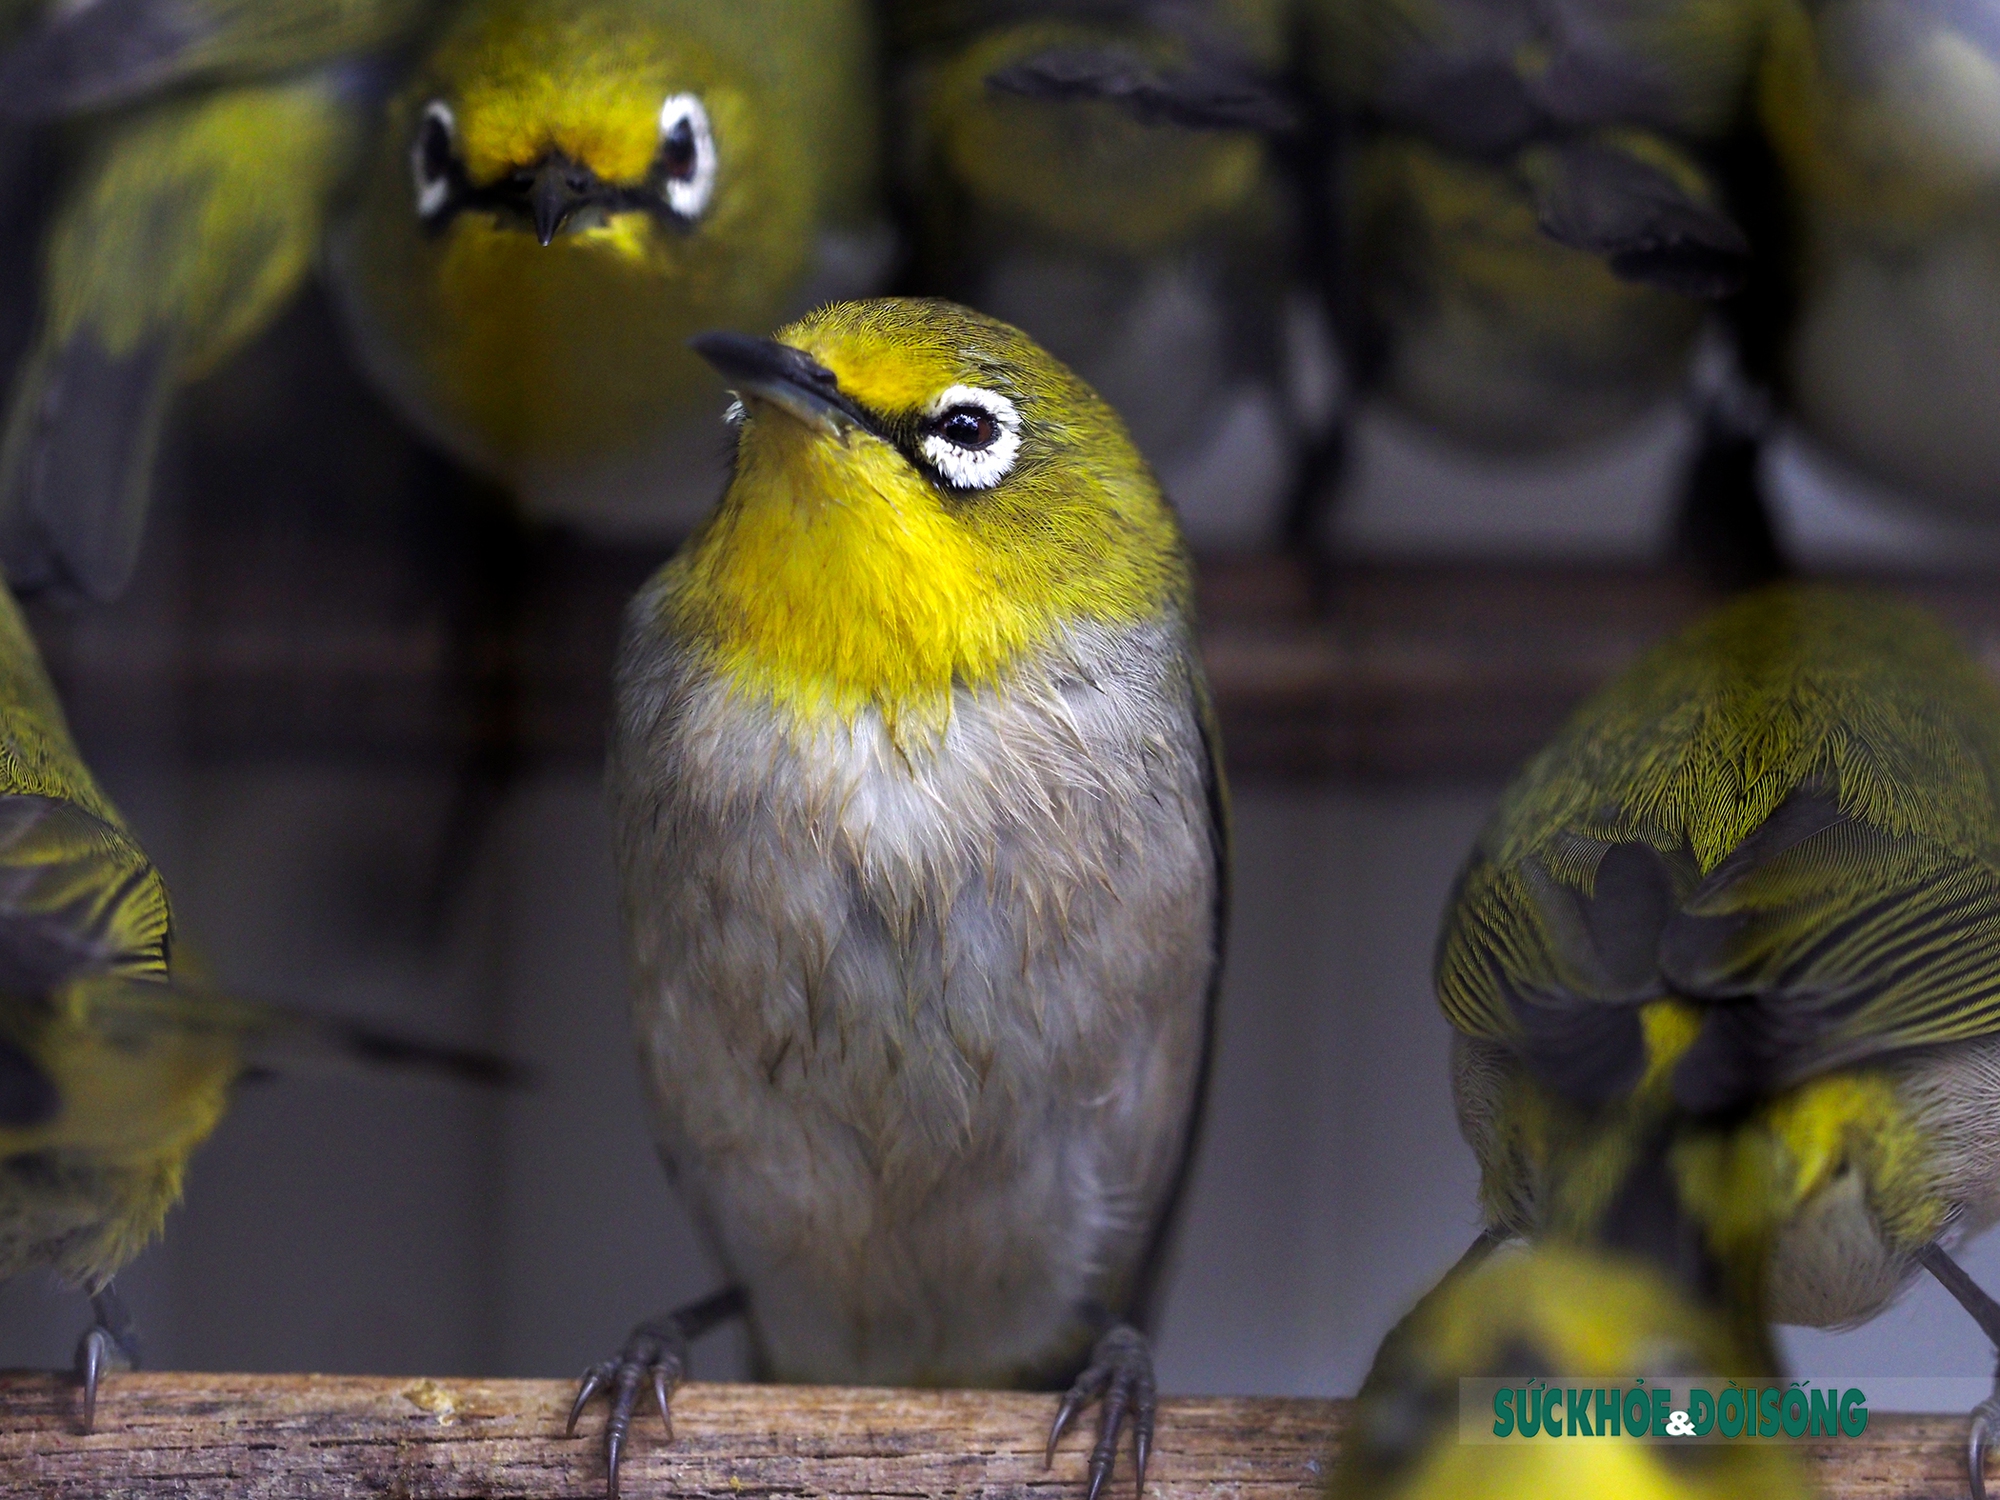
(788, 378)
(553, 198)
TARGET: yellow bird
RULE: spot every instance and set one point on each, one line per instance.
(1535, 215)
(1725, 965)
(1555, 1313)
(562, 194)
(525, 206)
(114, 1067)
(1537, 300)
(921, 832)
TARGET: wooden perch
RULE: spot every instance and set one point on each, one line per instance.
(286, 1437)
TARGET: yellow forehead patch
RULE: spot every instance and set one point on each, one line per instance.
(895, 357)
(882, 375)
(525, 78)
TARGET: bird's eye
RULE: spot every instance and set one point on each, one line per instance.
(971, 437)
(686, 162)
(969, 428)
(431, 156)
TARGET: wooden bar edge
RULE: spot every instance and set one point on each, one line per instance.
(281, 1437)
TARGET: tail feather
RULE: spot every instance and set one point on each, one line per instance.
(76, 468)
(274, 1038)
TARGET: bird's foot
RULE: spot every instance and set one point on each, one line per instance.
(1985, 1424)
(1121, 1376)
(109, 1344)
(1986, 1313)
(656, 1355)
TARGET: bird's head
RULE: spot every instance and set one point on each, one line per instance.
(585, 129)
(1561, 1316)
(923, 499)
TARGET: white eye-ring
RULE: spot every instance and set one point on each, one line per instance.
(971, 437)
(687, 156)
(431, 157)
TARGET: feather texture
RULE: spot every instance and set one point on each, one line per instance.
(1747, 904)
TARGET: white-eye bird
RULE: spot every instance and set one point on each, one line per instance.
(524, 206)
(562, 194)
(1885, 117)
(113, 1066)
(1541, 299)
(922, 839)
(1725, 966)
(1113, 181)
(1533, 213)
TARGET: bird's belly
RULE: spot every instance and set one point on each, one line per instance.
(1832, 1264)
(1501, 338)
(77, 1215)
(923, 1042)
(1896, 367)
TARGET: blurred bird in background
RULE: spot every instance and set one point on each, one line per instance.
(115, 1061)
(1885, 119)
(527, 199)
(1114, 180)
(1530, 221)
(1725, 967)
(919, 819)
(110, 52)
(1550, 1312)
(563, 194)
(187, 226)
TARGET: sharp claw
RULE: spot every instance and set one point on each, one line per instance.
(1142, 1449)
(1975, 1455)
(614, 1442)
(660, 1391)
(93, 1371)
(1071, 1405)
(588, 1385)
(1104, 1458)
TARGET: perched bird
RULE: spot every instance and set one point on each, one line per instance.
(922, 840)
(525, 207)
(1555, 1312)
(114, 1066)
(562, 194)
(184, 230)
(1882, 117)
(1536, 210)
(1114, 180)
(1725, 965)
(1539, 299)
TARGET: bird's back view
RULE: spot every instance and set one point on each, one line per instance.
(1726, 964)
(921, 837)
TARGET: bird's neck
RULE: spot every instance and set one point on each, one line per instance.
(835, 593)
